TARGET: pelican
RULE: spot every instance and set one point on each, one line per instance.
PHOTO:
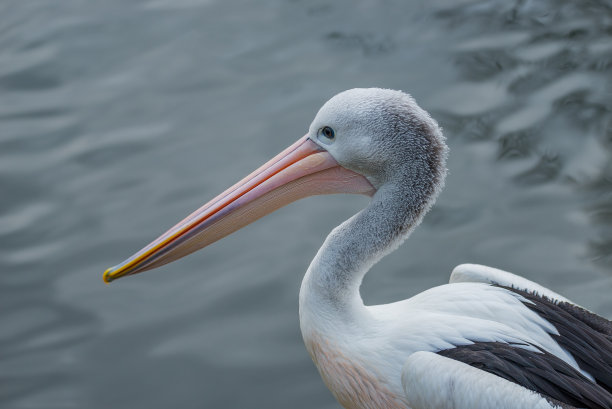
(488, 339)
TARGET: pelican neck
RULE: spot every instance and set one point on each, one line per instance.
(331, 285)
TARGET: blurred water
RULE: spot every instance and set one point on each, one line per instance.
(117, 118)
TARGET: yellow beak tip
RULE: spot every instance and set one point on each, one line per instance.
(108, 275)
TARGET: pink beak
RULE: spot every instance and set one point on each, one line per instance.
(303, 169)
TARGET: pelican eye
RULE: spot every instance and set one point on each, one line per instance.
(326, 135)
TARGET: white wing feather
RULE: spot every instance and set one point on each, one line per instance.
(432, 381)
(484, 274)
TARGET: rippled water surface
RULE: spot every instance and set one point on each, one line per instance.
(117, 118)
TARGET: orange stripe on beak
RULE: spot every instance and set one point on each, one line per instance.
(303, 169)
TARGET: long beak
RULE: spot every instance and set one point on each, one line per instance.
(303, 169)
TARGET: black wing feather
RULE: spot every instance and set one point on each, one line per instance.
(587, 336)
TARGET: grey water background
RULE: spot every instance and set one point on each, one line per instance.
(118, 118)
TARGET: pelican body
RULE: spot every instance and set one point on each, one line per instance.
(488, 339)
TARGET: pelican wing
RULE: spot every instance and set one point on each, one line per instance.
(434, 381)
(587, 337)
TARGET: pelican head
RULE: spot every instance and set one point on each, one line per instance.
(381, 134)
(361, 141)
